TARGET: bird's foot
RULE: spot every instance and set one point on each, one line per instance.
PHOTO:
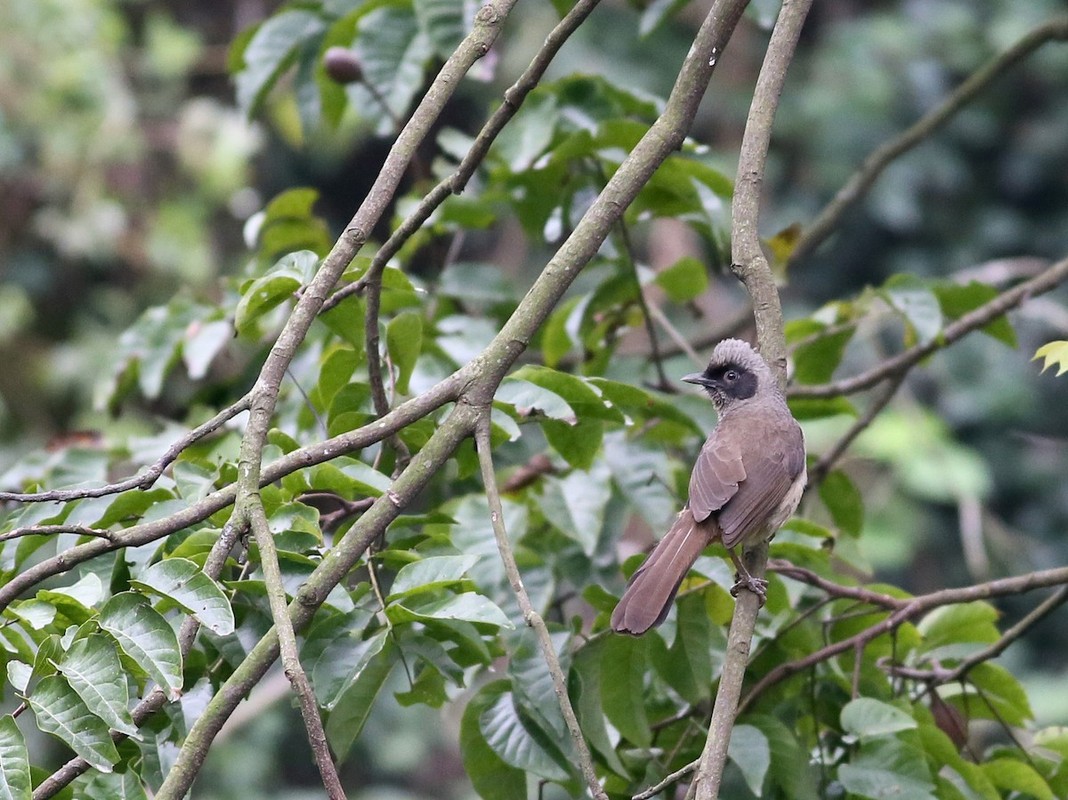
(758, 586)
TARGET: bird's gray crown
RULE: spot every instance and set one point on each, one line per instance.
(739, 353)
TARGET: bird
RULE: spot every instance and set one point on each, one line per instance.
(747, 481)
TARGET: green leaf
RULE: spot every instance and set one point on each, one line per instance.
(881, 784)
(688, 665)
(957, 624)
(844, 501)
(279, 284)
(580, 394)
(751, 753)
(341, 662)
(145, 637)
(622, 687)
(807, 408)
(14, 762)
(92, 668)
(1054, 353)
(917, 304)
(958, 299)
(404, 338)
(684, 280)
(204, 341)
(578, 443)
(76, 601)
(270, 51)
(491, 776)
(575, 505)
(585, 690)
(392, 51)
(182, 582)
(867, 717)
(791, 769)
(353, 706)
(534, 691)
(116, 786)
(467, 606)
(1016, 776)
(816, 360)
(429, 574)
(1001, 691)
(60, 711)
(444, 22)
(476, 282)
(505, 733)
(888, 768)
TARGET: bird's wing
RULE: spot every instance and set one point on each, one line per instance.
(716, 476)
(769, 474)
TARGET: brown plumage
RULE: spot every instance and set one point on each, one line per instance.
(746, 483)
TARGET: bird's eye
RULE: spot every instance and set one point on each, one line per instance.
(730, 376)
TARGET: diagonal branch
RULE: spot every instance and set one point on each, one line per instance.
(905, 360)
(905, 611)
(143, 480)
(861, 181)
(530, 614)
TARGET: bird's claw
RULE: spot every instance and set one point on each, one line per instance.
(757, 586)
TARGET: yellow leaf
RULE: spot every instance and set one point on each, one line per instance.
(1054, 353)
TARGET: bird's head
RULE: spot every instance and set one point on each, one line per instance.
(736, 373)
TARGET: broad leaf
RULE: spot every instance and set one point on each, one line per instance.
(492, 777)
(14, 762)
(145, 637)
(182, 582)
(866, 717)
(60, 711)
(92, 668)
(751, 753)
(429, 574)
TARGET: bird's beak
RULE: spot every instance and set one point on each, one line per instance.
(698, 378)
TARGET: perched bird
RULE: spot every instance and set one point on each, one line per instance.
(746, 483)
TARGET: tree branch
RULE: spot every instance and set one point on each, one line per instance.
(287, 642)
(143, 480)
(861, 181)
(530, 615)
(1055, 275)
(751, 267)
(905, 610)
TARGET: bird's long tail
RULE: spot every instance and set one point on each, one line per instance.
(651, 589)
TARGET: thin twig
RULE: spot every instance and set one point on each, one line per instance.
(965, 324)
(143, 480)
(907, 609)
(53, 530)
(530, 615)
(937, 676)
(287, 643)
(861, 181)
(643, 306)
(751, 267)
